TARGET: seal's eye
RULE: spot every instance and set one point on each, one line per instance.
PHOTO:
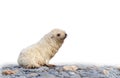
(58, 34)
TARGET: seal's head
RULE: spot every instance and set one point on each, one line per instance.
(58, 34)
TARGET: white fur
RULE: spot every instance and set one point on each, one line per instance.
(40, 53)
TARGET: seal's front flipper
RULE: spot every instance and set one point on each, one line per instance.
(50, 65)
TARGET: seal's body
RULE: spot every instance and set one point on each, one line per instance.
(41, 52)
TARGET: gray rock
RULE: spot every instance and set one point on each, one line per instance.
(20, 77)
(43, 68)
(46, 75)
(75, 76)
(65, 74)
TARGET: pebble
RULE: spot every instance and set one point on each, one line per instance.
(63, 71)
(106, 72)
(72, 68)
(8, 72)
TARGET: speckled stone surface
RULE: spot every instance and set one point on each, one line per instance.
(83, 71)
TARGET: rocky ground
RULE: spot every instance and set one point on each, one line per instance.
(63, 71)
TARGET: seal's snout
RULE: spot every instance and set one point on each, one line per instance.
(65, 35)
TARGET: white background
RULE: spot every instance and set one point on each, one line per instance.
(93, 28)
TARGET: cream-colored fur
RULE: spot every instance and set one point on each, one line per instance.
(41, 52)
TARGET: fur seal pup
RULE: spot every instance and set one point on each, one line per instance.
(41, 52)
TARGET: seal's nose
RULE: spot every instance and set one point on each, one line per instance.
(65, 35)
